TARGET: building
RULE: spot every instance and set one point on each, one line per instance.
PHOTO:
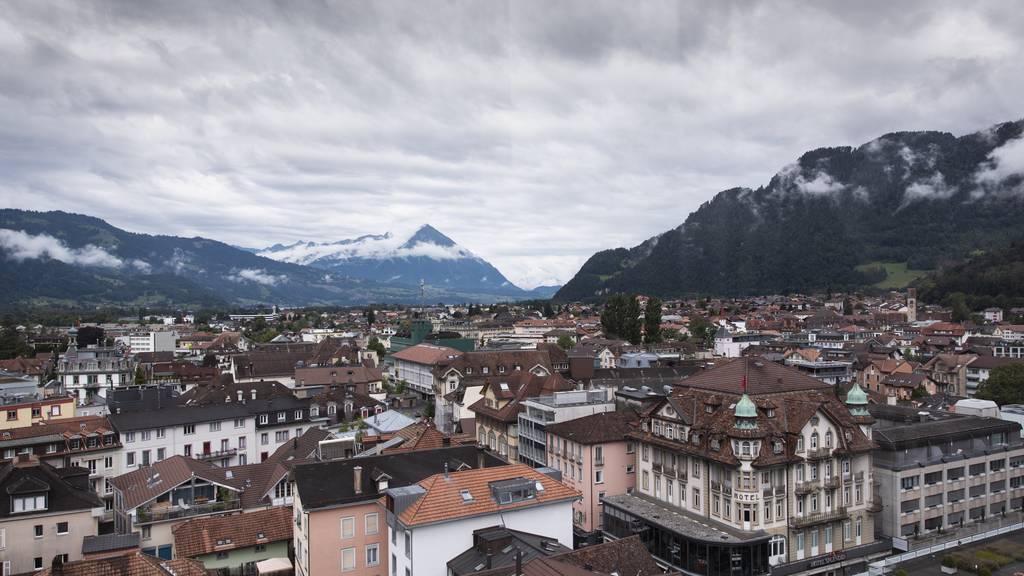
(979, 369)
(223, 434)
(432, 521)
(339, 523)
(153, 499)
(88, 442)
(93, 371)
(361, 379)
(497, 411)
(27, 410)
(235, 542)
(45, 512)
(993, 315)
(613, 558)
(496, 547)
(132, 564)
(732, 345)
(939, 470)
(540, 412)
(752, 468)
(949, 372)
(150, 341)
(597, 460)
(416, 366)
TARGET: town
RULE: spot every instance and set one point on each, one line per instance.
(787, 435)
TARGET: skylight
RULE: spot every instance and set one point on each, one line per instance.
(467, 496)
(504, 386)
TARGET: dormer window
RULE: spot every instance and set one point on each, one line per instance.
(501, 369)
(332, 408)
(745, 448)
(314, 411)
(800, 444)
(828, 439)
(469, 370)
(28, 503)
(769, 412)
(715, 444)
(814, 441)
(777, 447)
(485, 370)
(281, 416)
(695, 439)
(709, 408)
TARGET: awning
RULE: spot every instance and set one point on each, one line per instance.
(273, 566)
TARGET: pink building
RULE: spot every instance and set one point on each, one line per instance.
(596, 459)
(340, 527)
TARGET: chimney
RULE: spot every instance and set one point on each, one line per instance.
(489, 557)
(253, 392)
(519, 562)
(480, 463)
(445, 468)
(357, 479)
(241, 395)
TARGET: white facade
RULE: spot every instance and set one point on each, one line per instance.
(90, 372)
(221, 442)
(152, 341)
(419, 377)
(425, 550)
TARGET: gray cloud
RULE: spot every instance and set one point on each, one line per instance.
(533, 133)
(20, 245)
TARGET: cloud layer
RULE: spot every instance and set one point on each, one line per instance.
(20, 246)
(257, 276)
(532, 133)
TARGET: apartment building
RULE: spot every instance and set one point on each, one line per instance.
(753, 468)
(416, 365)
(538, 413)
(339, 523)
(93, 371)
(432, 521)
(222, 434)
(942, 470)
(88, 442)
(594, 458)
(46, 512)
(29, 409)
(150, 341)
(497, 411)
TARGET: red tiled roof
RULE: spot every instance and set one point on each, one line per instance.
(202, 535)
(443, 500)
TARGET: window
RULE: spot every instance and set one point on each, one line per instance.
(38, 531)
(599, 476)
(348, 559)
(629, 469)
(910, 482)
(108, 462)
(348, 527)
(408, 544)
(239, 422)
(373, 555)
(630, 447)
(777, 545)
(161, 453)
(55, 410)
(161, 432)
(298, 414)
(129, 437)
(370, 524)
(281, 436)
(129, 458)
(696, 498)
(215, 426)
(62, 528)
(264, 439)
(800, 448)
(190, 429)
(108, 488)
(264, 418)
(846, 531)
(188, 449)
(37, 563)
(314, 411)
(281, 416)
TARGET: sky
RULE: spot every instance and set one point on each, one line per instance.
(533, 133)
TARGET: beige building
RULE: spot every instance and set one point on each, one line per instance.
(46, 513)
(25, 411)
(756, 468)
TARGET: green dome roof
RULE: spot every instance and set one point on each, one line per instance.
(856, 396)
(745, 408)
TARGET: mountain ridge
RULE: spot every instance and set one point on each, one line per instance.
(917, 197)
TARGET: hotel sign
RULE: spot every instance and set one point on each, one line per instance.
(830, 558)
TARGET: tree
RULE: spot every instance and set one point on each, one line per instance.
(548, 310)
(671, 334)
(702, 329)
(566, 342)
(1005, 385)
(140, 376)
(209, 361)
(633, 327)
(652, 320)
(371, 317)
(847, 306)
(957, 302)
(613, 317)
(377, 346)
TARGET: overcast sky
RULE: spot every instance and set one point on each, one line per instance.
(532, 133)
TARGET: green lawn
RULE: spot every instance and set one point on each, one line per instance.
(898, 275)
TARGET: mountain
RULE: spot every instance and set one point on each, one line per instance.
(994, 278)
(64, 260)
(832, 219)
(427, 255)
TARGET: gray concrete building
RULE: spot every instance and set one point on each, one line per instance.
(939, 470)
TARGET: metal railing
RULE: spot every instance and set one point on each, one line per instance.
(881, 566)
(143, 516)
(215, 454)
(818, 518)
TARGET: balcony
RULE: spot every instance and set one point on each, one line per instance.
(875, 505)
(154, 514)
(799, 522)
(859, 476)
(216, 454)
(724, 488)
(819, 454)
(832, 483)
(806, 487)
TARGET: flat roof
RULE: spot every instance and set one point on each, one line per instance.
(682, 522)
